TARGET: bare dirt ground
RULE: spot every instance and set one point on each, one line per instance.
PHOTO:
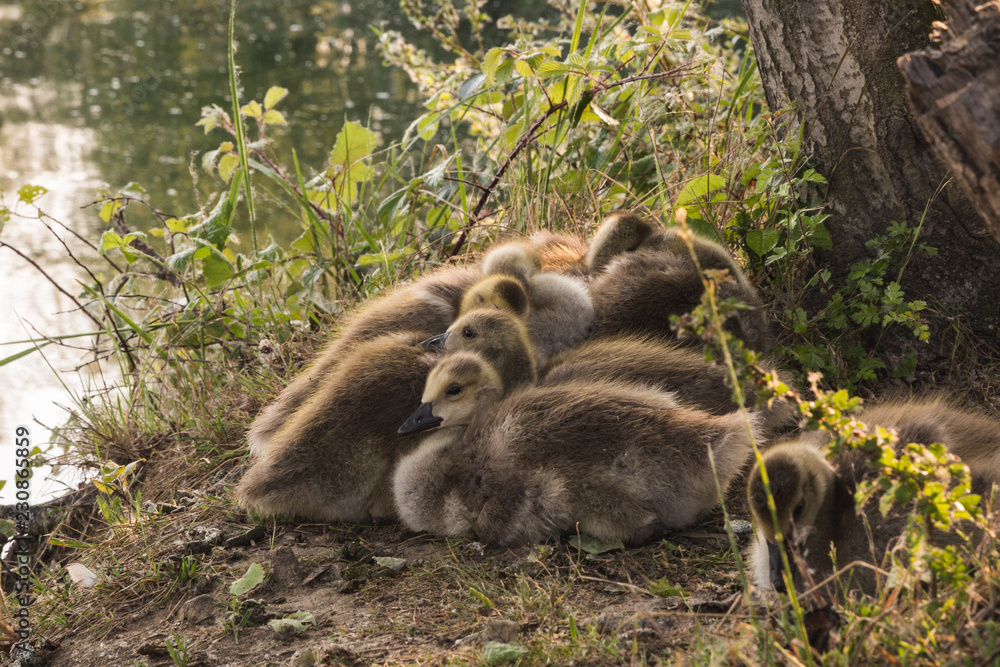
(440, 602)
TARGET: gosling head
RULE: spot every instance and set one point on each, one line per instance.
(498, 292)
(801, 481)
(458, 388)
(498, 335)
(518, 259)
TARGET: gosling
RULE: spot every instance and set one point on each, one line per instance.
(561, 253)
(815, 502)
(612, 460)
(500, 337)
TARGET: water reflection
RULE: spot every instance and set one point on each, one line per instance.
(138, 74)
(56, 157)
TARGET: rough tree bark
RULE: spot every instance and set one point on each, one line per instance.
(954, 92)
(836, 61)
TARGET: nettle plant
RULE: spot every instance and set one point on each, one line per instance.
(782, 220)
(841, 338)
(645, 107)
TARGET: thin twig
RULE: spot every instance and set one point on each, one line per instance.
(464, 181)
(71, 255)
(51, 280)
(82, 239)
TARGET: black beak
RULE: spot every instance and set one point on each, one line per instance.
(421, 420)
(775, 569)
(435, 343)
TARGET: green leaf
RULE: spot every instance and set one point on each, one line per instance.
(227, 166)
(208, 123)
(495, 653)
(252, 109)
(134, 190)
(471, 86)
(253, 577)
(523, 68)
(345, 188)
(820, 237)
(426, 125)
(129, 468)
(217, 226)
(385, 258)
(699, 187)
(749, 174)
(592, 545)
(69, 544)
(176, 225)
(272, 117)
(969, 501)
(274, 95)
(304, 243)
(813, 176)
(29, 193)
(663, 588)
(293, 623)
(491, 63)
(110, 208)
(109, 240)
(552, 68)
(390, 205)
(323, 198)
(505, 71)
(178, 261)
(354, 143)
(7, 527)
(762, 241)
(216, 268)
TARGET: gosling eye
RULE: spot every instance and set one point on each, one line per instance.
(467, 332)
(797, 512)
(453, 390)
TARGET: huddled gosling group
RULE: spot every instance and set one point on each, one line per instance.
(543, 392)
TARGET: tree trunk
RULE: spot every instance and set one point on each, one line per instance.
(954, 92)
(836, 61)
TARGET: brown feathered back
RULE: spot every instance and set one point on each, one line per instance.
(643, 274)
(333, 459)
